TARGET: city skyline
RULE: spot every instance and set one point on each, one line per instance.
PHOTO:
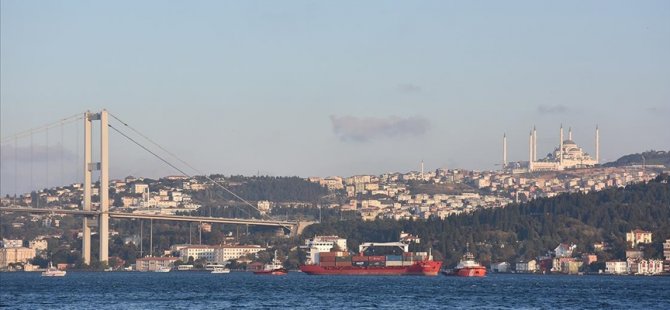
(312, 89)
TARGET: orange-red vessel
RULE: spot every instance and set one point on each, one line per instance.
(468, 267)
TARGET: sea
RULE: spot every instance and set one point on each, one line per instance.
(203, 290)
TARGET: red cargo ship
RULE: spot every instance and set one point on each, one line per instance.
(340, 263)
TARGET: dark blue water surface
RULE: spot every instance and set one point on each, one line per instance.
(198, 290)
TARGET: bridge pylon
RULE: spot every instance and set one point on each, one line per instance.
(89, 167)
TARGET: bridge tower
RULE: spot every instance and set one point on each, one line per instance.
(89, 167)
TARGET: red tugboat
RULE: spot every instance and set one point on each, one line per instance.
(468, 267)
(341, 263)
(274, 268)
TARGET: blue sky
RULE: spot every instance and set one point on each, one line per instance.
(313, 88)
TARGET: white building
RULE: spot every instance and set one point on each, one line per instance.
(227, 253)
(616, 267)
(645, 267)
(12, 243)
(564, 250)
(205, 252)
(322, 244)
(501, 267)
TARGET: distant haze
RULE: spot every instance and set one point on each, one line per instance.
(312, 88)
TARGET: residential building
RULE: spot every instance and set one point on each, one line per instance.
(645, 267)
(564, 250)
(588, 259)
(526, 266)
(154, 263)
(616, 267)
(634, 254)
(638, 236)
(38, 245)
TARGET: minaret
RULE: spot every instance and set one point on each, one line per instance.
(570, 133)
(534, 144)
(504, 163)
(560, 148)
(530, 152)
(597, 146)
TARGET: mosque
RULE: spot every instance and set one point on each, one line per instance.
(567, 155)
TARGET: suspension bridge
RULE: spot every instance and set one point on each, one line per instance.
(99, 216)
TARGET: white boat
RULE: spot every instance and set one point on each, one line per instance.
(220, 270)
(163, 269)
(53, 272)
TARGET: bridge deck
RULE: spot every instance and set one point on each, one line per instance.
(156, 217)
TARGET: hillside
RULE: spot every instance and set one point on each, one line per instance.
(279, 189)
(531, 229)
(648, 158)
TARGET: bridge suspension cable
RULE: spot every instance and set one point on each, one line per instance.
(218, 184)
(38, 129)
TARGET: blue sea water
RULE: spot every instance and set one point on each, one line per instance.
(201, 290)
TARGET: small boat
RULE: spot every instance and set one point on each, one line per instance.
(163, 269)
(53, 272)
(274, 268)
(220, 270)
(468, 267)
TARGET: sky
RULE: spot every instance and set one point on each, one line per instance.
(320, 88)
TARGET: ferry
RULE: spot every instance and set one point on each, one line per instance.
(218, 270)
(53, 272)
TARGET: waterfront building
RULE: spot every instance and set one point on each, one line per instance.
(205, 252)
(501, 267)
(15, 255)
(154, 263)
(616, 267)
(638, 236)
(645, 267)
(229, 252)
(526, 266)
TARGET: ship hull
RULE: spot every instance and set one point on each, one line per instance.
(471, 272)
(425, 268)
(276, 272)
